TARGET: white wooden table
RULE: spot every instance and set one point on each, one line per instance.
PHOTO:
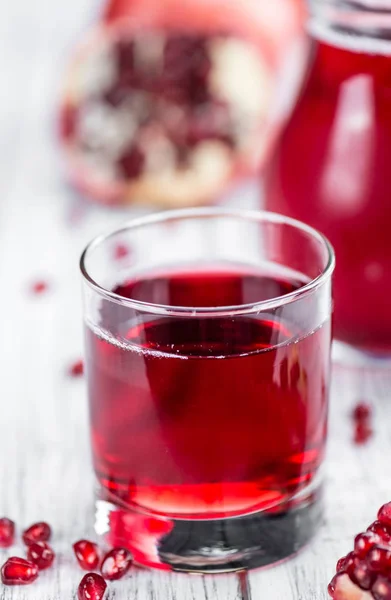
(44, 457)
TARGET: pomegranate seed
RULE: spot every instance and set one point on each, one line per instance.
(362, 433)
(18, 571)
(116, 563)
(364, 542)
(379, 559)
(87, 554)
(41, 554)
(362, 412)
(77, 369)
(39, 287)
(345, 564)
(381, 589)
(382, 530)
(118, 92)
(131, 163)
(124, 51)
(362, 416)
(39, 532)
(384, 514)
(333, 584)
(186, 66)
(91, 587)
(362, 575)
(121, 251)
(7, 532)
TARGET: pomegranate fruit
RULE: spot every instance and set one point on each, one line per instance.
(91, 587)
(165, 115)
(116, 563)
(87, 554)
(41, 554)
(365, 573)
(18, 571)
(38, 532)
(7, 532)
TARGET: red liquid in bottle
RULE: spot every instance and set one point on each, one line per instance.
(332, 169)
(206, 417)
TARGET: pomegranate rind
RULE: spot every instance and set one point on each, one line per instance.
(277, 23)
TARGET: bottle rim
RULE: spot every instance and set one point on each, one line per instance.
(362, 24)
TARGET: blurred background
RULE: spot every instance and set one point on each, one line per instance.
(116, 108)
(143, 104)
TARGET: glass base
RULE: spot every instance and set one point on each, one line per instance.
(209, 546)
(350, 357)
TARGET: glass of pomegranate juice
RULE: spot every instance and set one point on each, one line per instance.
(208, 353)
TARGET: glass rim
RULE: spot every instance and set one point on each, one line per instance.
(209, 212)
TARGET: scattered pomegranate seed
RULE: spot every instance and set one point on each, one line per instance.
(116, 563)
(77, 369)
(39, 287)
(362, 418)
(7, 532)
(18, 571)
(87, 554)
(38, 532)
(41, 554)
(362, 411)
(91, 587)
(362, 434)
(121, 251)
(368, 567)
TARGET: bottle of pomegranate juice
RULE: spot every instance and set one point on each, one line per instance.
(332, 166)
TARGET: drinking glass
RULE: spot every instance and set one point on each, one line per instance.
(208, 354)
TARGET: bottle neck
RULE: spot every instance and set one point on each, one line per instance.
(361, 25)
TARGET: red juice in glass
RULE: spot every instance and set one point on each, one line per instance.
(331, 165)
(205, 415)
